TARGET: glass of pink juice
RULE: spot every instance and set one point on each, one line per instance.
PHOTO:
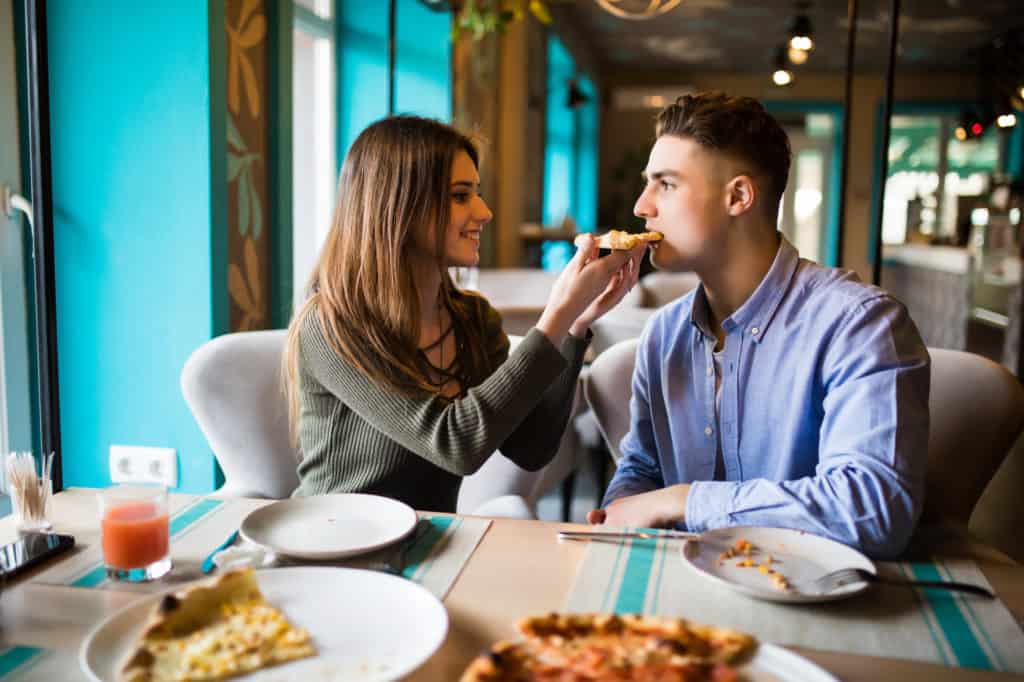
(135, 532)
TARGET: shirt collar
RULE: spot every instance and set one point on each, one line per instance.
(756, 313)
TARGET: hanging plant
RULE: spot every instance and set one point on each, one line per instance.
(480, 18)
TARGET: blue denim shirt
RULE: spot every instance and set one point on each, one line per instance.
(824, 409)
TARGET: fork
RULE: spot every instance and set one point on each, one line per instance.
(845, 576)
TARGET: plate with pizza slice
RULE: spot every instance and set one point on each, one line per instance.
(300, 623)
(618, 240)
(586, 646)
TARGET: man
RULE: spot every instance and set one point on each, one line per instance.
(779, 392)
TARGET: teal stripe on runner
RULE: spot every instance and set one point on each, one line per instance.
(965, 646)
(193, 514)
(15, 657)
(611, 577)
(93, 578)
(419, 551)
(920, 601)
(637, 575)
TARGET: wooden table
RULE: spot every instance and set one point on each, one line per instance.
(519, 568)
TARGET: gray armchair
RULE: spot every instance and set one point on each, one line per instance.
(233, 386)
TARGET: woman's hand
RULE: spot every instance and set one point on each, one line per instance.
(620, 285)
(585, 279)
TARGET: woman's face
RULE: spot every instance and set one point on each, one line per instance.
(469, 213)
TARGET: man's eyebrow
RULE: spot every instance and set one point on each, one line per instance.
(658, 175)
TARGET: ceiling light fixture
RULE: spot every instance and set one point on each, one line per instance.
(637, 10)
(782, 75)
(801, 31)
(797, 56)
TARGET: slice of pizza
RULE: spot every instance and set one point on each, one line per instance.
(619, 240)
(605, 646)
(212, 631)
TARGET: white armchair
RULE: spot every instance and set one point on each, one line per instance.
(233, 386)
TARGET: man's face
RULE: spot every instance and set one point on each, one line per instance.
(684, 199)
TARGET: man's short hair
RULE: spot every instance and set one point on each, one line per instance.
(738, 126)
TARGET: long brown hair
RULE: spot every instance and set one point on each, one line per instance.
(394, 183)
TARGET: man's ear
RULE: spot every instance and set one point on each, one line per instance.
(740, 194)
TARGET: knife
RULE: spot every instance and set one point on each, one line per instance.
(618, 535)
(208, 564)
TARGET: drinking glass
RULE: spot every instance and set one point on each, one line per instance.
(135, 532)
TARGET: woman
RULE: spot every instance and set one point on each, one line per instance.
(399, 384)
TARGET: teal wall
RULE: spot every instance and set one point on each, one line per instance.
(134, 219)
(362, 47)
(422, 65)
(559, 136)
(571, 138)
(423, 57)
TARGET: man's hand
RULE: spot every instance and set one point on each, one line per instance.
(661, 508)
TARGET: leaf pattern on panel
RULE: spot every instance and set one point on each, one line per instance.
(250, 206)
(250, 31)
(244, 288)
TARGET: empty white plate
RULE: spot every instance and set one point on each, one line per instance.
(329, 526)
(366, 626)
(797, 555)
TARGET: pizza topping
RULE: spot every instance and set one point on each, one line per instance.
(213, 631)
(587, 647)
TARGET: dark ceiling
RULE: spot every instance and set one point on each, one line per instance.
(744, 35)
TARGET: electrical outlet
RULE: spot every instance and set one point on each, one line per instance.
(137, 464)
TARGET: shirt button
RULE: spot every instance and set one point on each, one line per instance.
(708, 431)
(754, 330)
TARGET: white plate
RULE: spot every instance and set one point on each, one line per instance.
(329, 526)
(772, 663)
(365, 626)
(798, 555)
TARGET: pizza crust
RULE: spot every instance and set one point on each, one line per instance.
(212, 631)
(621, 241)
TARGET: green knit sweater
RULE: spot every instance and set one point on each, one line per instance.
(356, 436)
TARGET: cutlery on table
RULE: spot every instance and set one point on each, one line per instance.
(208, 564)
(846, 576)
(618, 535)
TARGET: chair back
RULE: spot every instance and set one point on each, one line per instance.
(661, 287)
(608, 387)
(977, 413)
(233, 386)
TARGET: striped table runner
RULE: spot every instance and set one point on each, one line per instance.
(933, 626)
(434, 561)
(31, 664)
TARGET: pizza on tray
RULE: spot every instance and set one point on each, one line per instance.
(212, 631)
(607, 647)
(623, 241)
